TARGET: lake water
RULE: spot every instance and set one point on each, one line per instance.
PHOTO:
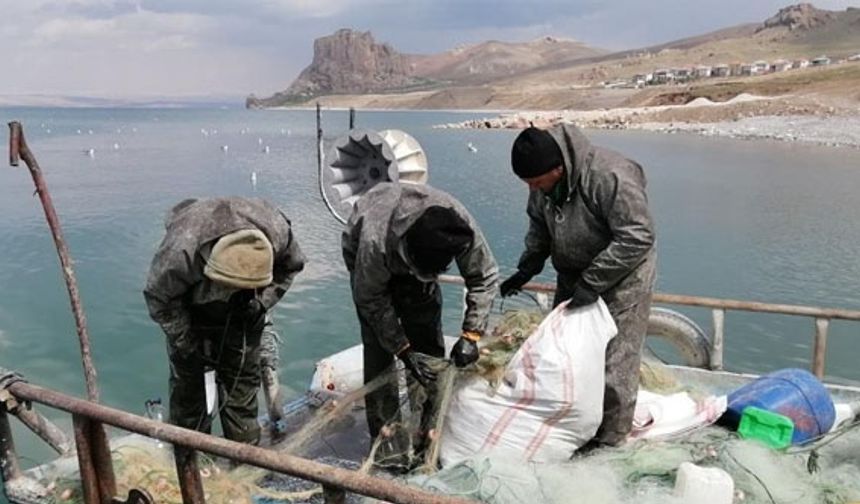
(748, 220)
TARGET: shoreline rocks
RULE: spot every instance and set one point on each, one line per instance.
(752, 118)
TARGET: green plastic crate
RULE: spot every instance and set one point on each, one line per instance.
(770, 428)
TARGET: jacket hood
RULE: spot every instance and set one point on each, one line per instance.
(575, 149)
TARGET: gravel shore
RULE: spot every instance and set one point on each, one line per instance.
(744, 117)
(831, 131)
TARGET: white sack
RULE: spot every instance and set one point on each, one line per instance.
(550, 401)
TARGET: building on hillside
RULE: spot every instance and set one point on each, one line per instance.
(640, 80)
(761, 66)
(663, 76)
(801, 63)
(702, 72)
(749, 69)
(721, 70)
(780, 65)
(735, 69)
(856, 57)
(682, 74)
(821, 61)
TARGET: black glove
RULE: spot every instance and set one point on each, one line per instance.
(513, 284)
(465, 352)
(583, 295)
(418, 367)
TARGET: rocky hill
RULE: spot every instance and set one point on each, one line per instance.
(493, 60)
(352, 62)
(799, 17)
(555, 73)
(347, 61)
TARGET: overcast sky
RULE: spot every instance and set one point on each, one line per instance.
(121, 48)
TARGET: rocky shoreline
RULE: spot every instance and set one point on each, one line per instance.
(744, 117)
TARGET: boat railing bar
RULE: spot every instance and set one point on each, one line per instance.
(88, 416)
(719, 306)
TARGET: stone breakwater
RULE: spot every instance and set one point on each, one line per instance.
(745, 117)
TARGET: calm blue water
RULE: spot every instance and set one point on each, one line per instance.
(748, 220)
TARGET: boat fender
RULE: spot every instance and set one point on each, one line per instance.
(687, 338)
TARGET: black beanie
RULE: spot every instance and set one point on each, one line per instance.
(534, 153)
(439, 235)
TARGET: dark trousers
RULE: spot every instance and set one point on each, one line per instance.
(419, 307)
(623, 357)
(233, 350)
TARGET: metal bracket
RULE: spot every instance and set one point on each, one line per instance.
(135, 496)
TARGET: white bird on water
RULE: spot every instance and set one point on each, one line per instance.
(225, 148)
(90, 152)
(254, 179)
(471, 147)
(266, 149)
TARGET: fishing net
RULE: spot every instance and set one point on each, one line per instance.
(334, 432)
(644, 472)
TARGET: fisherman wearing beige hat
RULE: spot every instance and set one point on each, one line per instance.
(222, 265)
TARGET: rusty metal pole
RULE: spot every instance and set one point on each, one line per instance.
(718, 342)
(352, 481)
(819, 354)
(189, 475)
(45, 429)
(102, 461)
(18, 149)
(9, 466)
(89, 475)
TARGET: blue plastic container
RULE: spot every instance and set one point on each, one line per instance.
(795, 393)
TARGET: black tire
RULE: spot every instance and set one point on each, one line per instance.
(688, 339)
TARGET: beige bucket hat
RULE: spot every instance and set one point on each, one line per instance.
(242, 259)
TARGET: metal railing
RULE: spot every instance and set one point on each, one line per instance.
(822, 317)
(96, 470)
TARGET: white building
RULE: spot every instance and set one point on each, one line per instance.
(721, 70)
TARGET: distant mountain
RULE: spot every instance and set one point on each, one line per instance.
(492, 60)
(352, 62)
(350, 69)
(347, 61)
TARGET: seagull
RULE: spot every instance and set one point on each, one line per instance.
(115, 146)
(90, 152)
(225, 148)
(471, 147)
(266, 149)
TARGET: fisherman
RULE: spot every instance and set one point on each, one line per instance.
(588, 210)
(397, 242)
(223, 263)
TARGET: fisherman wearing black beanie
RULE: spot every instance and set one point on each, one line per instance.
(536, 158)
(399, 239)
(588, 212)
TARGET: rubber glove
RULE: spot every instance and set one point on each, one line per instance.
(583, 295)
(513, 284)
(465, 351)
(419, 369)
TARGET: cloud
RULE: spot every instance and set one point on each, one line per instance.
(139, 30)
(243, 46)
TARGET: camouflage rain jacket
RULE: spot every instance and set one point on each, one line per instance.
(602, 232)
(176, 280)
(374, 254)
